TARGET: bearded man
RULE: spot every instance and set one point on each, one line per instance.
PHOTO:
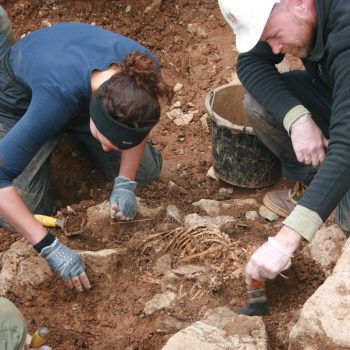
(302, 116)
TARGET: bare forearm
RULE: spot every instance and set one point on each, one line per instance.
(131, 159)
(15, 212)
(288, 238)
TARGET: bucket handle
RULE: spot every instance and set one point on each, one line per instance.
(211, 99)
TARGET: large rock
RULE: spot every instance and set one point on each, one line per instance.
(97, 213)
(217, 222)
(324, 321)
(101, 211)
(9, 264)
(221, 329)
(32, 275)
(162, 301)
(212, 207)
(103, 261)
(326, 247)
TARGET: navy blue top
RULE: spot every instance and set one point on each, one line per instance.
(56, 64)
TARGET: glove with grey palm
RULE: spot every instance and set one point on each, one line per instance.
(67, 263)
(123, 199)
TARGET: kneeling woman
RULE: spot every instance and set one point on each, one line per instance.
(101, 89)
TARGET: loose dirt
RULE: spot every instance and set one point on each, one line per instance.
(196, 48)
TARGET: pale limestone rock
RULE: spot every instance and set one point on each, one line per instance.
(267, 214)
(97, 213)
(213, 222)
(101, 211)
(212, 175)
(178, 87)
(174, 113)
(10, 261)
(172, 322)
(324, 321)
(162, 265)
(177, 104)
(103, 261)
(221, 329)
(32, 271)
(149, 212)
(326, 247)
(212, 207)
(251, 215)
(225, 193)
(209, 206)
(160, 302)
(184, 120)
(245, 202)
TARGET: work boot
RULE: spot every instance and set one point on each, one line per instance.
(282, 202)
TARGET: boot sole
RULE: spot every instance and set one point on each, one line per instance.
(274, 208)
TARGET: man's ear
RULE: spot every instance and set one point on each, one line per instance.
(300, 7)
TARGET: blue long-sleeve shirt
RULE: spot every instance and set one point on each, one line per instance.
(56, 65)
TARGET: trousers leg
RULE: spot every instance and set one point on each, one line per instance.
(13, 330)
(33, 184)
(342, 214)
(316, 97)
(6, 34)
(109, 162)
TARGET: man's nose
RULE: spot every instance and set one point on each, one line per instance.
(106, 148)
(275, 47)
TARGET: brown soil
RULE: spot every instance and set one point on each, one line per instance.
(110, 316)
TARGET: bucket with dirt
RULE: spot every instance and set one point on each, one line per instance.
(239, 157)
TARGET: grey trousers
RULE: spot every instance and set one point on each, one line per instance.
(317, 98)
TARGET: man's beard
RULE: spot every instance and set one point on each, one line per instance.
(303, 45)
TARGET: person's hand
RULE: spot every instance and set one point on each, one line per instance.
(308, 141)
(123, 199)
(273, 256)
(68, 264)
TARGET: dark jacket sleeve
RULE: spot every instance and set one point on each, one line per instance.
(257, 71)
(45, 118)
(332, 181)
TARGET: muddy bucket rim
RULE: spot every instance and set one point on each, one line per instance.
(222, 122)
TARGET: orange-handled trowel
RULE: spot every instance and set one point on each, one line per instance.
(256, 300)
(256, 295)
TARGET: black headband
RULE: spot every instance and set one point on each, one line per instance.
(118, 133)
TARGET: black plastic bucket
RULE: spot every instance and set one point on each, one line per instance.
(239, 157)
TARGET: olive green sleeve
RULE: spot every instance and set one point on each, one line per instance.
(304, 221)
(294, 114)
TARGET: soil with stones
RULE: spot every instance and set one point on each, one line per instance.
(196, 48)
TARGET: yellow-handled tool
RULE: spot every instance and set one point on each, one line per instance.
(39, 337)
(49, 221)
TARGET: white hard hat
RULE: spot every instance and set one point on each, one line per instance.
(248, 19)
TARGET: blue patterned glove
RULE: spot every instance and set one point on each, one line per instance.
(123, 199)
(63, 260)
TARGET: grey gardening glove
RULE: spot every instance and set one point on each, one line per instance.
(63, 260)
(123, 199)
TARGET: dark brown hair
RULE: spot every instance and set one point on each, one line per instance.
(131, 95)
